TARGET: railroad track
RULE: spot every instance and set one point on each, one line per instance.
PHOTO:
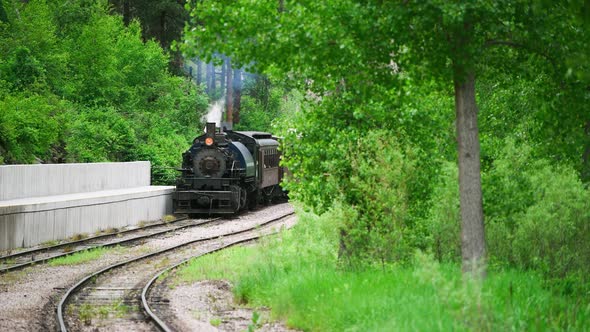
(41, 255)
(117, 298)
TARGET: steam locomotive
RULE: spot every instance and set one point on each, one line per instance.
(224, 172)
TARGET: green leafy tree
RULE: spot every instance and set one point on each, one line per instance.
(78, 85)
(29, 127)
(352, 47)
(99, 135)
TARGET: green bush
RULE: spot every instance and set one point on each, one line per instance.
(376, 190)
(29, 127)
(443, 222)
(538, 215)
(553, 233)
(99, 135)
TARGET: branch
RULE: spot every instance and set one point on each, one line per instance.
(513, 44)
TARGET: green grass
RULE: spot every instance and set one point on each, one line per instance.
(297, 274)
(82, 257)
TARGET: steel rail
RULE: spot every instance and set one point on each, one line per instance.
(81, 283)
(66, 244)
(106, 245)
(144, 301)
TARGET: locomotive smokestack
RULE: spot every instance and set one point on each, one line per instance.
(210, 129)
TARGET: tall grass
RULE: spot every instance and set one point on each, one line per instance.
(297, 274)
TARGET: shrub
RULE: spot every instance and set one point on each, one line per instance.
(443, 222)
(538, 215)
(376, 190)
(100, 134)
(29, 127)
(553, 233)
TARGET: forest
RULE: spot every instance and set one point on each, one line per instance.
(440, 150)
(80, 84)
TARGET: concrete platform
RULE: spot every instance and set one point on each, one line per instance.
(94, 197)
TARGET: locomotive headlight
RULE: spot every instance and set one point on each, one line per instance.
(208, 141)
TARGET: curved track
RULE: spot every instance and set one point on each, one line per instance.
(119, 285)
(41, 255)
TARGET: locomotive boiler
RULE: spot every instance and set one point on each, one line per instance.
(224, 172)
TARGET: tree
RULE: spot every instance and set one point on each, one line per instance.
(162, 20)
(229, 95)
(359, 48)
(237, 91)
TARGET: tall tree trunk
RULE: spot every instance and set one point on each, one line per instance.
(237, 85)
(473, 247)
(199, 71)
(222, 74)
(229, 94)
(281, 6)
(163, 39)
(210, 78)
(126, 13)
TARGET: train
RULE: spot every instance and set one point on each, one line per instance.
(226, 171)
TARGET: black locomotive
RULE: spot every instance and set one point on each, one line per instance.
(224, 172)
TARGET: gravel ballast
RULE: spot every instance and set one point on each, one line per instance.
(29, 297)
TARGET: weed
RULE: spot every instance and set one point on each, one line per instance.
(79, 236)
(168, 218)
(255, 324)
(11, 261)
(87, 312)
(215, 321)
(12, 277)
(142, 223)
(111, 230)
(162, 263)
(50, 243)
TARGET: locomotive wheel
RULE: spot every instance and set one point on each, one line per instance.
(236, 201)
(243, 198)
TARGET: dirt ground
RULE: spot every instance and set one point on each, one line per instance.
(209, 306)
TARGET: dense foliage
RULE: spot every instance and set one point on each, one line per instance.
(375, 133)
(77, 85)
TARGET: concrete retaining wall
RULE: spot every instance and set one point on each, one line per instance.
(25, 181)
(93, 197)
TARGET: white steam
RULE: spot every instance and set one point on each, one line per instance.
(215, 112)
